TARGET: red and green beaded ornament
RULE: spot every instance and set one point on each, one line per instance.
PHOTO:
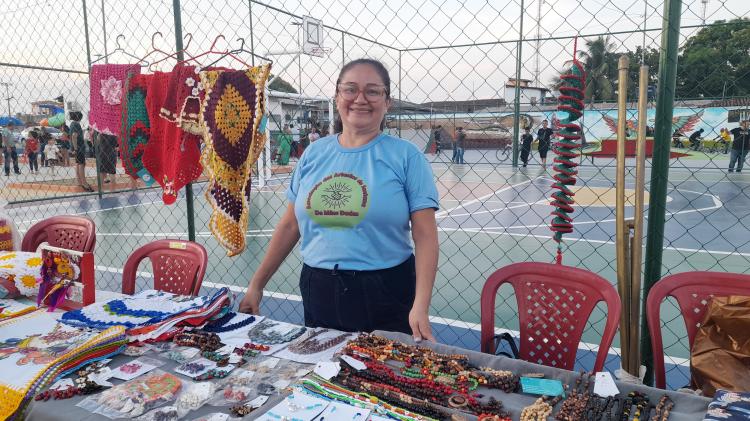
(566, 148)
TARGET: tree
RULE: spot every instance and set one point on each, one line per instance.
(651, 59)
(599, 65)
(716, 61)
(281, 85)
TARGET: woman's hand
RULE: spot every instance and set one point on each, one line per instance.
(419, 321)
(251, 301)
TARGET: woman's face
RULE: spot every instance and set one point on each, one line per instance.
(366, 110)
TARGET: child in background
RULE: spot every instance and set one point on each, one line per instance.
(52, 153)
(32, 149)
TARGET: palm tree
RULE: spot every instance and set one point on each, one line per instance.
(598, 62)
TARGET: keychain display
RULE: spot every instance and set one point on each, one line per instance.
(135, 397)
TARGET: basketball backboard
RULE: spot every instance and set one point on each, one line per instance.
(312, 37)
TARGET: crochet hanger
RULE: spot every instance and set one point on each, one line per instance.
(212, 51)
(242, 50)
(122, 50)
(188, 38)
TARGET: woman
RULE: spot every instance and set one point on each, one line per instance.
(79, 145)
(352, 198)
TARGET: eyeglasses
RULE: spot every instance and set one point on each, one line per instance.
(350, 92)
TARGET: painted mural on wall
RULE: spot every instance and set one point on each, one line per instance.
(597, 123)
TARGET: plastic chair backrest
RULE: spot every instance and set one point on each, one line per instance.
(178, 266)
(64, 231)
(693, 292)
(554, 303)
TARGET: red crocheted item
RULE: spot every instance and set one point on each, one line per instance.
(154, 152)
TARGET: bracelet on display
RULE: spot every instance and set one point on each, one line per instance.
(311, 345)
(212, 374)
(220, 325)
(264, 333)
(202, 340)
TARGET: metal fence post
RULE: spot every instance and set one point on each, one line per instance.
(180, 56)
(400, 104)
(252, 37)
(660, 164)
(517, 95)
(86, 34)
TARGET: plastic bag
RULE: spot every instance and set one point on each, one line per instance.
(720, 358)
(216, 416)
(133, 398)
(10, 239)
(193, 396)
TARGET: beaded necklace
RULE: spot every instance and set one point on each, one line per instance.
(311, 345)
(263, 333)
(662, 409)
(574, 407)
(540, 409)
(327, 390)
(220, 325)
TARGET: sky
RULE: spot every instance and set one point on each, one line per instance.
(52, 35)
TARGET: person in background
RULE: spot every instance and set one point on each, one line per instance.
(725, 138)
(9, 149)
(79, 148)
(65, 145)
(740, 145)
(695, 139)
(460, 145)
(437, 136)
(526, 140)
(52, 152)
(32, 149)
(544, 136)
(284, 147)
(314, 135)
(357, 199)
(44, 137)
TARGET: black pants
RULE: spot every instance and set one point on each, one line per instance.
(9, 154)
(33, 163)
(355, 301)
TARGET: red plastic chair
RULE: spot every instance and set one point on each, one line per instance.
(693, 292)
(65, 231)
(554, 302)
(178, 266)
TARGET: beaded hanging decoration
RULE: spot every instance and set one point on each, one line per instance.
(312, 345)
(265, 333)
(136, 126)
(571, 101)
(106, 81)
(232, 113)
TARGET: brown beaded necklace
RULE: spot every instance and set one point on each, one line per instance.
(311, 345)
(574, 407)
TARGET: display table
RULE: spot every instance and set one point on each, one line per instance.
(687, 407)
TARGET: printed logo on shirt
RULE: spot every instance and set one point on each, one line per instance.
(340, 200)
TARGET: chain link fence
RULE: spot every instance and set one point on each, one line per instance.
(452, 64)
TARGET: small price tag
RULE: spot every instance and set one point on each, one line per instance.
(327, 369)
(356, 364)
(604, 385)
(258, 402)
(177, 245)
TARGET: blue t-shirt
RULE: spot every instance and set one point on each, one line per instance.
(353, 205)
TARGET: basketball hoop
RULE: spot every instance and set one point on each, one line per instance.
(312, 37)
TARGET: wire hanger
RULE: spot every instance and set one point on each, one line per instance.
(189, 40)
(211, 50)
(120, 49)
(241, 50)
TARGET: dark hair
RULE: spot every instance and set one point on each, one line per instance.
(34, 134)
(527, 128)
(75, 115)
(338, 126)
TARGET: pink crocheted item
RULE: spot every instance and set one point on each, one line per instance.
(106, 83)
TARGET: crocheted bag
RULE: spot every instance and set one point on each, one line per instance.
(136, 124)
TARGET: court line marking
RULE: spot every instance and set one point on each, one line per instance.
(489, 230)
(481, 198)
